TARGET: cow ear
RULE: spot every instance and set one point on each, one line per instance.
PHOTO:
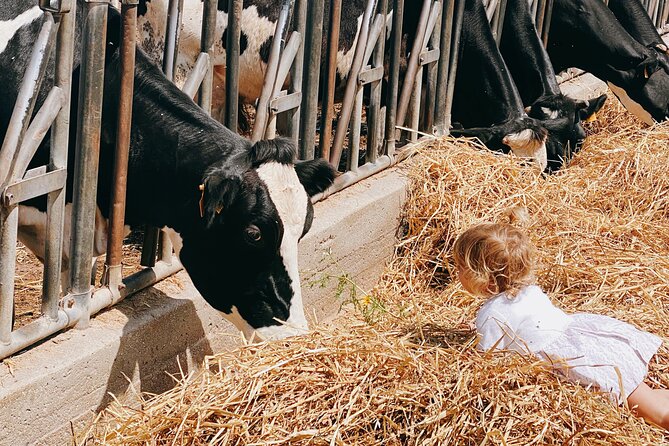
(220, 188)
(315, 175)
(279, 150)
(588, 108)
(649, 66)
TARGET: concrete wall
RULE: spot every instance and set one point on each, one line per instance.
(57, 387)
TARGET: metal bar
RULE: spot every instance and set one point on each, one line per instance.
(262, 110)
(375, 114)
(393, 81)
(27, 96)
(313, 41)
(231, 63)
(287, 60)
(300, 26)
(71, 314)
(352, 85)
(414, 112)
(440, 124)
(172, 32)
(60, 139)
(36, 132)
(369, 75)
(195, 77)
(429, 58)
(327, 106)
(365, 171)
(354, 147)
(87, 153)
(35, 186)
(412, 64)
(547, 22)
(113, 268)
(9, 222)
(285, 103)
(455, 53)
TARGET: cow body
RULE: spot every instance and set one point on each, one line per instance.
(531, 69)
(586, 34)
(237, 234)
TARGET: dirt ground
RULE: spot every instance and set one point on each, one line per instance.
(29, 272)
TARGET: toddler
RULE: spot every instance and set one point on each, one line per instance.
(495, 262)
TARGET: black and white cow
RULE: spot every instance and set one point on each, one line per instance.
(486, 102)
(531, 69)
(238, 237)
(635, 19)
(586, 34)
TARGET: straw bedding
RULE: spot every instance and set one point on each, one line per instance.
(406, 371)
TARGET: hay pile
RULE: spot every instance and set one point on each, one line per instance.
(414, 377)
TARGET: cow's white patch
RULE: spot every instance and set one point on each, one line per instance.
(8, 28)
(291, 201)
(239, 322)
(631, 105)
(524, 145)
(175, 238)
(550, 113)
(345, 58)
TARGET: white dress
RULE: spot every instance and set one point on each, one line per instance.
(590, 349)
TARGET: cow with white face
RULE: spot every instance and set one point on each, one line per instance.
(234, 210)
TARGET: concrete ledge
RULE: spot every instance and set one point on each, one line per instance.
(55, 388)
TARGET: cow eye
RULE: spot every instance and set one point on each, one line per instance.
(253, 234)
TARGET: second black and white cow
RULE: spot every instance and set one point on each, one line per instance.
(586, 34)
(486, 102)
(237, 238)
(531, 69)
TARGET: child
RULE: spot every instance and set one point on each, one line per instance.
(495, 261)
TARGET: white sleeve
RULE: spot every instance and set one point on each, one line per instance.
(492, 327)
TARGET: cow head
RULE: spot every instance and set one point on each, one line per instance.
(645, 95)
(243, 257)
(524, 136)
(562, 116)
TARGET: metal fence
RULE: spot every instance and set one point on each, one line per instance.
(382, 110)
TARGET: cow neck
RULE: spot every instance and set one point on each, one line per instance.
(633, 17)
(174, 142)
(603, 47)
(525, 55)
(492, 90)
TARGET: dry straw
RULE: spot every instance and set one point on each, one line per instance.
(414, 376)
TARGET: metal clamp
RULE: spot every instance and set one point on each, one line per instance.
(56, 6)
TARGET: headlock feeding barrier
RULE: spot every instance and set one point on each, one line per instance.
(391, 106)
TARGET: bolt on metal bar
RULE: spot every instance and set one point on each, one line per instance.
(91, 84)
(440, 115)
(375, 117)
(27, 96)
(232, 50)
(412, 64)
(262, 110)
(207, 46)
(393, 81)
(327, 103)
(455, 54)
(60, 136)
(113, 268)
(352, 85)
(310, 81)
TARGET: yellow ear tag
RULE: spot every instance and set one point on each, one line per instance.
(592, 118)
(219, 208)
(645, 72)
(202, 201)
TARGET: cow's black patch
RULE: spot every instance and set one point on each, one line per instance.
(265, 49)
(142, 7)
(243, 41)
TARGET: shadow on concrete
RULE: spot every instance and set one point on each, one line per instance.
(156, 346)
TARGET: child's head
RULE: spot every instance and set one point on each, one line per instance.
(494, 258)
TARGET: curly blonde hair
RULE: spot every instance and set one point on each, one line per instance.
(494, 258)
